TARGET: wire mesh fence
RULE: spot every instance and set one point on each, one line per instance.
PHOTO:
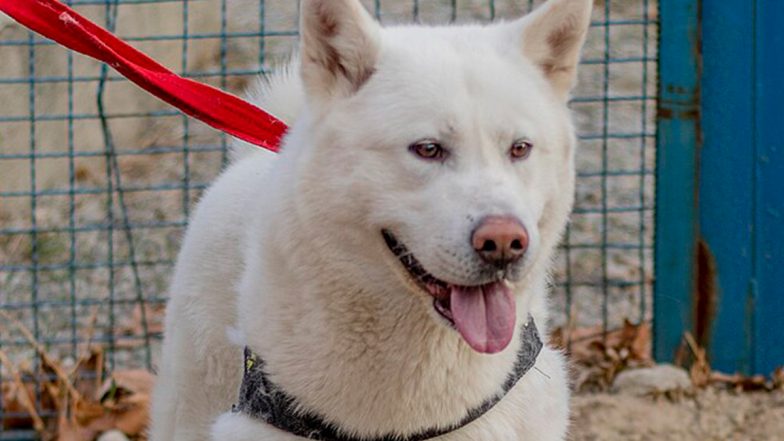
(98, 180)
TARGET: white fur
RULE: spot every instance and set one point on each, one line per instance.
(285, 253)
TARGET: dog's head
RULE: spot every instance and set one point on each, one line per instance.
(447, 151)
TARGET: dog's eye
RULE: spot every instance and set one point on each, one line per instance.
(429, 150)
(521, 150)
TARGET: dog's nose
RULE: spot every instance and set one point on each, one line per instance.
(500, 240)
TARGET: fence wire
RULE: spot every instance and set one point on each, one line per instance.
(98, 180)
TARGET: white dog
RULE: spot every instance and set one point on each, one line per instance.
(388, 271)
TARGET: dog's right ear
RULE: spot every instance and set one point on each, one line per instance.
(339, 47)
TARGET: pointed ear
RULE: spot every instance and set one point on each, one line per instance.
(553, 37)
(339, 48)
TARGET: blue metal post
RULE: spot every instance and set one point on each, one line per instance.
(720, 244)
(727, 182)
(768, 334)
(676, 193)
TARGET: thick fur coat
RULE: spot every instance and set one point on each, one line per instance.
(285, 254)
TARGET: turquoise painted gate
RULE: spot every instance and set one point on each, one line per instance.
(720, 177)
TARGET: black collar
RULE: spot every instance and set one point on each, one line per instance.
(265, 401)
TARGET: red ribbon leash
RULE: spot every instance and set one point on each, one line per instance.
(215, 107)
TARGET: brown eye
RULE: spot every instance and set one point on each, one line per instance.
(521, 150)
(429, 150)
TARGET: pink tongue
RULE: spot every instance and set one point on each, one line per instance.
(485, 316)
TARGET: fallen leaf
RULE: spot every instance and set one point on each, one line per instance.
(700, 371)
(601, 356)
(778, 378)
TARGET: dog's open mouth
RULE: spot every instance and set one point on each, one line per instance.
(484, 315)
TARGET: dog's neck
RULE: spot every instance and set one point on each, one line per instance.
(372, 361)
(263, 400)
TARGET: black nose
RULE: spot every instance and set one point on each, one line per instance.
(500, 240)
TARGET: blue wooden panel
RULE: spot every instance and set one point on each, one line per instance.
(727, 182)
(676, 185)
(769, 214)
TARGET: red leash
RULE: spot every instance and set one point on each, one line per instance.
(218, 109)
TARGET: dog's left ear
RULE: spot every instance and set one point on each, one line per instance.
(553, 36)
(339, 48)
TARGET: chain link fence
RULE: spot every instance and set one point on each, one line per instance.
(98, 180)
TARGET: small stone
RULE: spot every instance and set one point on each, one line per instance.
(653, 380)
(113, 435)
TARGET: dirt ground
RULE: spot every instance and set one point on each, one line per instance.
(710, 415)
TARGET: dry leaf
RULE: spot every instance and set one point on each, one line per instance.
(84, 424)
(19, 397)
(742, 382)
(601, 356)
(19, 413)
(85, 405)
(700, 371)
(121, 403)
(778, 378)
(703, 376)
